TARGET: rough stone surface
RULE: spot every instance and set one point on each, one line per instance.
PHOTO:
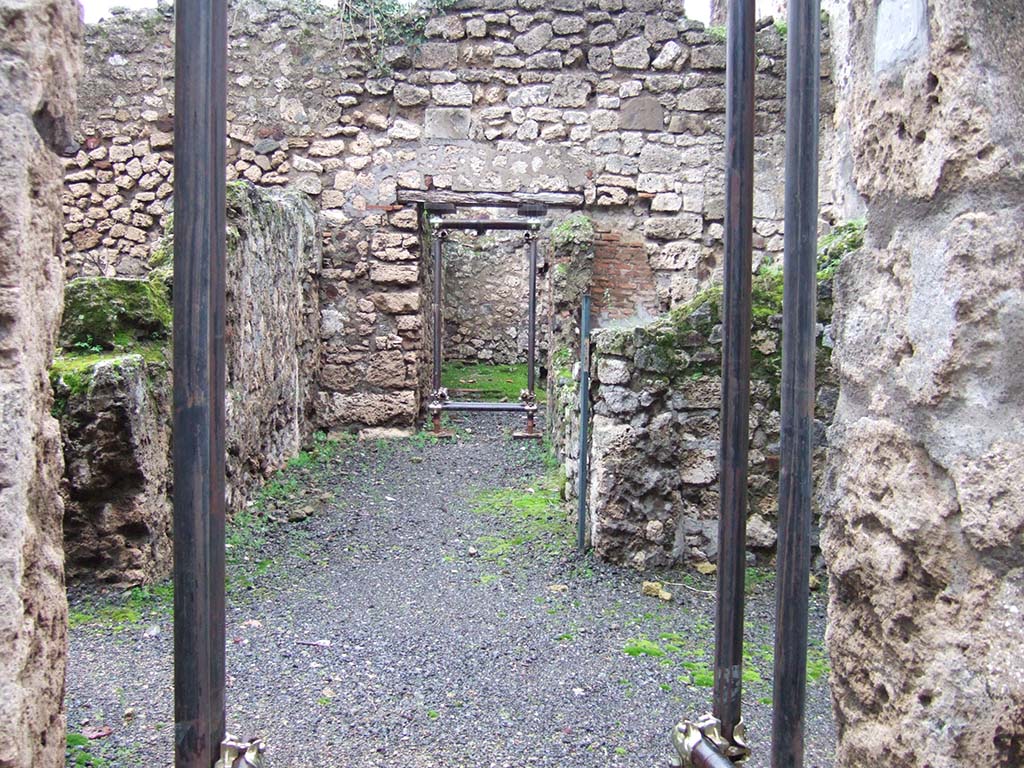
(655, 399)
(40, 40)
(116, 435)
(272, 346)
(924, 512)
(486, 292)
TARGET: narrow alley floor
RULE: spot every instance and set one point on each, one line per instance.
(417, 604)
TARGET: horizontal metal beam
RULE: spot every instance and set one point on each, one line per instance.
(471, 405)
(486, 224)
(491, 199)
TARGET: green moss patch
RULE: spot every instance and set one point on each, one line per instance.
(486, 382)
(72, 372)
(843, 239)
(109, 312)
(528, 519)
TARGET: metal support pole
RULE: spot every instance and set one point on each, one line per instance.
(528, 397)
(435, 246)
(797, 401)
(439, 395)
(581, 480)
(732, 519)
(198, 426)
(531, 354)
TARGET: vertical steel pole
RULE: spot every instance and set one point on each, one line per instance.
(797, 401)
(531, 354)
(199, 245)
(435, 246)
(581, 480)
(732, 518)
(218, 299)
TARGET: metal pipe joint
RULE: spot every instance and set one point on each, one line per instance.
(700, 744)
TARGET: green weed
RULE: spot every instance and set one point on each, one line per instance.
(642, 647)
(134, 606)
(79, 755)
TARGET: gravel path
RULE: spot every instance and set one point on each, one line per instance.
(452, 631)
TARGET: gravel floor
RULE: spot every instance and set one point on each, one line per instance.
(433, 649)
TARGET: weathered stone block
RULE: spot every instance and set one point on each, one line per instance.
(632, 54)
(446, 123)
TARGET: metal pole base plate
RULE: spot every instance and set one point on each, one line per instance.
(526, 434)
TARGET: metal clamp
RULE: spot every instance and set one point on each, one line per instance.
(235, 753)
(437, 397)
(688, 734)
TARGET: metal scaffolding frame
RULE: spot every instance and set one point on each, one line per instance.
(439, 400)
(199, 382)
(717, 739)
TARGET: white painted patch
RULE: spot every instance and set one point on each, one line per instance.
(901, 32)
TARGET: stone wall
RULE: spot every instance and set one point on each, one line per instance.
(114, 396)
(116, 435)
(622, 102)
(656, 399)
(272, 341)
(925, 513)
(39, 41)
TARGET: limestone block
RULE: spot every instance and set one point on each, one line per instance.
(441, 56)
(456, 95)
(632, 54)
(371, 409)
(533, 41)
(397, 274)
(449, 27)
(643, 113)
(446, 123)
(396, 302)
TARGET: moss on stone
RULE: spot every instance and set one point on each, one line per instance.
(574, 232)
(842, 240)
(105, 312)
(72, 372)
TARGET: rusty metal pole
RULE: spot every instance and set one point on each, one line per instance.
(198, 421)
(435, 246)
(732, 518)
(803, 65)
(530, 397)
(218, 395)
(531, 354)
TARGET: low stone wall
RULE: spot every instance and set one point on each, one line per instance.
(117, 440)
(656, 398)
(40, 40)
(115, 402)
